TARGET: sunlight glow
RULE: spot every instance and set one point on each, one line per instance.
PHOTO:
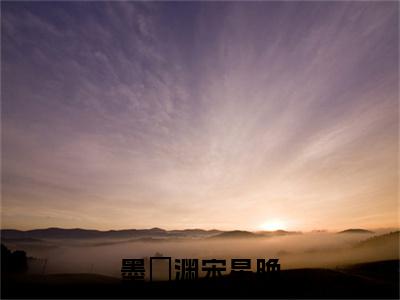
(272, 225)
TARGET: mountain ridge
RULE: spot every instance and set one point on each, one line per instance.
(355, 230)
(155, 232)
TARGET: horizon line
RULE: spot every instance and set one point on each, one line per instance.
(203, 229)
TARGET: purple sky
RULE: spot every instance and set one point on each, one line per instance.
(216, 115)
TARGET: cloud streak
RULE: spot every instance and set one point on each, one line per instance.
(122, 115)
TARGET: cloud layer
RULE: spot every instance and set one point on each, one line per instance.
(227, 115)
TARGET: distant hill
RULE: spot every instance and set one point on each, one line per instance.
(392, 238)
(77, 233)
(236, 234)
(193, 233)
(278, 232)
(248, 234)
(130, 234)
(357, 230)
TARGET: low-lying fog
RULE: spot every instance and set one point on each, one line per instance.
(294, 251)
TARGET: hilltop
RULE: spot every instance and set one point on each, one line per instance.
(356, 230)
(78, 233)
(131, 234)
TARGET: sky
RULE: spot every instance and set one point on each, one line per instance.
(227, 115)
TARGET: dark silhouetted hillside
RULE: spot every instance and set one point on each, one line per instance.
(77, 233)
(378, 280)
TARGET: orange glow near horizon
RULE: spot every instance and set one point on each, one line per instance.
(273, 225)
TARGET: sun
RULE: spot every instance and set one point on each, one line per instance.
(272, 225)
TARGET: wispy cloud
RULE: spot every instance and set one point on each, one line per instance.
(126, 114)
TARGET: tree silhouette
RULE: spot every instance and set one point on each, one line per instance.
(12, 262)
